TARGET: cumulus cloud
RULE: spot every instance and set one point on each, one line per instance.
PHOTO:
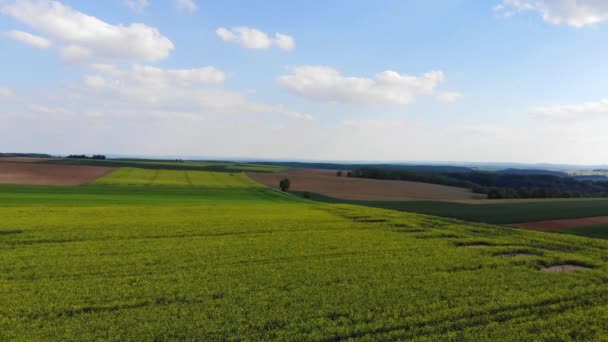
(6, 92)
(29, 39)
(84, 38)
(177, 93)
(186, 5)
(252, 38)
(575, 13)
(578, 112)
(386, 88)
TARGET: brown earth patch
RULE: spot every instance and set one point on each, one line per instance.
(47, 174)
(565, 268)
(326, 182)
(23, 159)
(556, 225)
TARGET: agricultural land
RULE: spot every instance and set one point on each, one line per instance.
(145, 255)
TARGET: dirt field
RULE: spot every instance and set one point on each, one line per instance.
(327, 183)
(23, 159)
(558, 225)
(43, 174)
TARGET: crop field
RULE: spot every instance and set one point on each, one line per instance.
(119, 262)
(596, 231)
(169, 165)
(135, 176)
(495, 212)
(327, 183)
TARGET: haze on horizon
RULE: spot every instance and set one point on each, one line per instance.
(501, 80)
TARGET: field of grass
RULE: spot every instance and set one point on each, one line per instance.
(501, 213)
(136, 176)
(171, 165)
(117, 262)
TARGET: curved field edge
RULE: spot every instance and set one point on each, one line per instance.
(277, 268)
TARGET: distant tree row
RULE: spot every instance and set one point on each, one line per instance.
(342, 173)
(82, 156)
(497, 185)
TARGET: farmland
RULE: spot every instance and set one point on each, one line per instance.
(28, 172)
(217, 166)
(139, 262)
(494, 212)
(327, 183)
(134, 176)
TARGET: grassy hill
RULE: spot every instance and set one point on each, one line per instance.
(136, 262)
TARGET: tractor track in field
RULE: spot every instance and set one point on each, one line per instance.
(187, 177)
(441, 325)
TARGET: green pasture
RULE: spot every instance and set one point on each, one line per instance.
(139, 262)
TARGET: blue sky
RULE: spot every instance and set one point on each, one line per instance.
(443, 80)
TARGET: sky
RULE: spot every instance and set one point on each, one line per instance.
(338, 80)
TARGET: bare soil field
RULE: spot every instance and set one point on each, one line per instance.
(45, 174)
(557, 225)
(326, 182)
(23, 159)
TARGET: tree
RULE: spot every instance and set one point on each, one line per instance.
(285, 184)
(339, 173)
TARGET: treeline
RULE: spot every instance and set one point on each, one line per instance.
(82, 156)
(497, 185)
(26, 155)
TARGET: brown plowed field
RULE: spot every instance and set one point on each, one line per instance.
(45, 174)
(557, 225)
(326, 182)
(23, 159)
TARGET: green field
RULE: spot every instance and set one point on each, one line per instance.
(138, 262)
(134, 176)
(502, 213)
(216, 166)
(597, 231)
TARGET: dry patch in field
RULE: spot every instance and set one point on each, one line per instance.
(326, 182)
(557, 225)
(565, 268)
(46, 174)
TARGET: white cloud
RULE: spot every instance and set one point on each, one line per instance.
(29, 39)
(170, 93)
(85, 38)
(6, 92)
(252, 38)
(386, 88)
(449, 96)
(575, 13)
(137, 5)
(186, 5)
(576, 112)
(284, 41)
